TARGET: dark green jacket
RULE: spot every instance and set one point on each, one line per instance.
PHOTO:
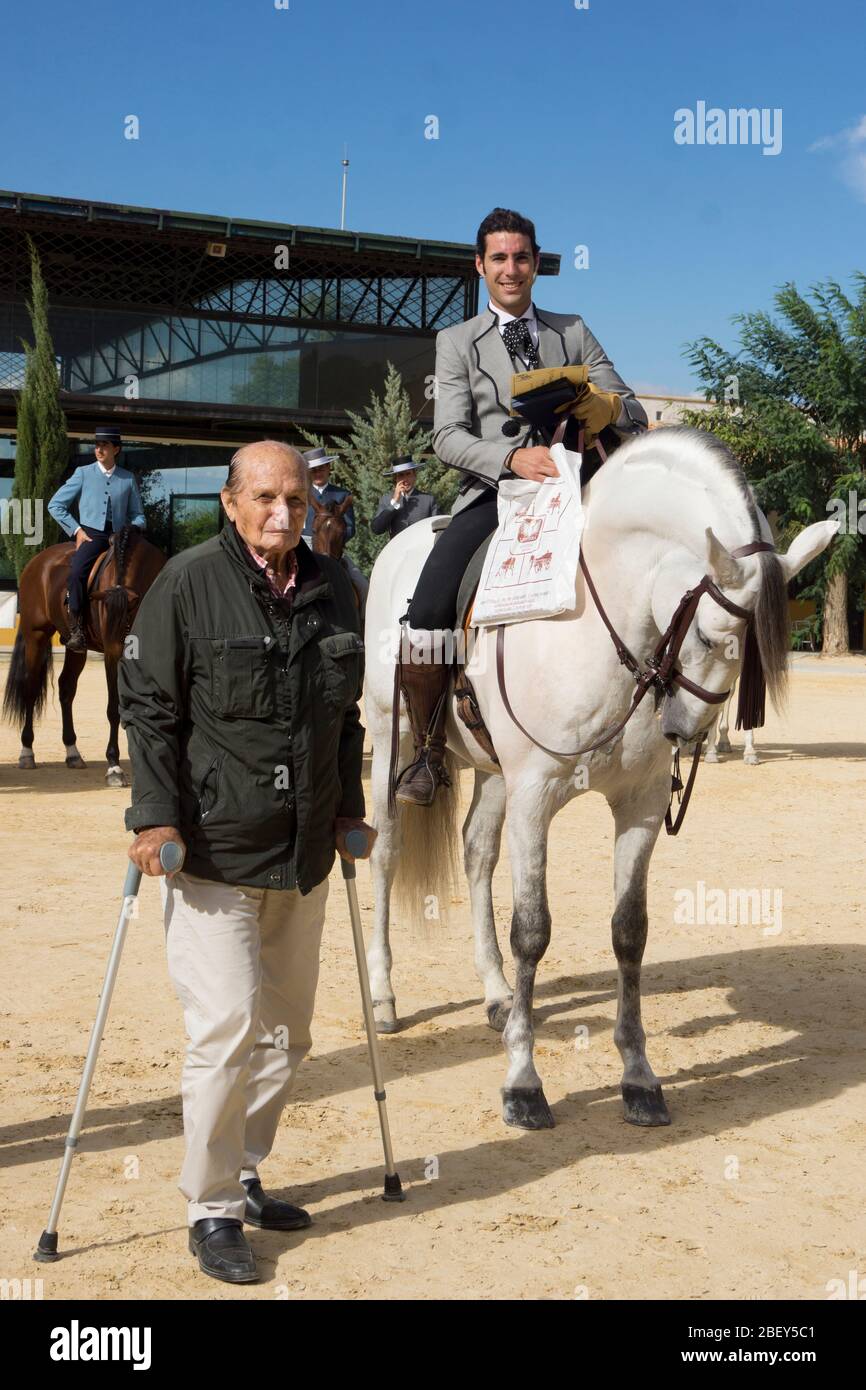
(241, 714)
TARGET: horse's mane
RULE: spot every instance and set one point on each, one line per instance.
(688, 451)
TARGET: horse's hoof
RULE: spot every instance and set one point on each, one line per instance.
(724, 745)
(751, 759)
(76, 761)
(711, 756)
(526, 1109)
(497, 1014)
(385, 1015)
(644, 1105)
(115, 779)
(26, 761)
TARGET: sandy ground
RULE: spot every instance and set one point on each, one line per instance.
(755, 1191)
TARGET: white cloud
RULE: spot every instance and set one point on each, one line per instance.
(852, 166)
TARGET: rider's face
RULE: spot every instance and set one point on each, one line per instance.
(106, 454)
(509, 269)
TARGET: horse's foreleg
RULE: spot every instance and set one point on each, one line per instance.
(523, 1099)
(711, 755)
(637, 828)
(73, 665)
(724, 743)
(115, 776)
(383, 864)
(482, 834)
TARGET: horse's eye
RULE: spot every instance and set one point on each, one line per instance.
(701, 638)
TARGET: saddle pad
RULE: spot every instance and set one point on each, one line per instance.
(469, 582)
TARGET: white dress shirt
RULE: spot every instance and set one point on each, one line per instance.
(529, 318)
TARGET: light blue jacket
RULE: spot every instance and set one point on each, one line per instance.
(89, 490)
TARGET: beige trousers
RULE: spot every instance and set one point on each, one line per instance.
(244, 963)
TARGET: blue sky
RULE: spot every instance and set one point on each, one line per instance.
(565, 114)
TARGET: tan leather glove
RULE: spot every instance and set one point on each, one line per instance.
(595, 408)
(522, 382)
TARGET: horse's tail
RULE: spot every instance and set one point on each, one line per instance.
(23, 686)
(427, 870)
(116, 598)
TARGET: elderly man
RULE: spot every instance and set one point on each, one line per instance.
(239, 697)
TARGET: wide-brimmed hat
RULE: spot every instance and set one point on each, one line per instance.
(316, 457)
(403, 464)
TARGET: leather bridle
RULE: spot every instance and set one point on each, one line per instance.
(660, 670)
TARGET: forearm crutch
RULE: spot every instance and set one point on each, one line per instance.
(356, 843)
(170, 857)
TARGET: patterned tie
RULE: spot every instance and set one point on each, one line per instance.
(518, 339)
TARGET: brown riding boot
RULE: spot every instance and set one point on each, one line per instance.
(425, 687)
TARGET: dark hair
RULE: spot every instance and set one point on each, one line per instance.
(505, 220)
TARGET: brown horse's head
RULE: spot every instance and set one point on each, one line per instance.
(329, 526)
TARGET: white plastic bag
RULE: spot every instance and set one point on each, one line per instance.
(530, 570)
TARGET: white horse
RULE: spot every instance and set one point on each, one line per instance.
(666, 509)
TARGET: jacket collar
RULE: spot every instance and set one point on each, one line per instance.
(311, 583)
(493, 361)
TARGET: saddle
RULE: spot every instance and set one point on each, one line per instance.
(464, 693)
(92, 593)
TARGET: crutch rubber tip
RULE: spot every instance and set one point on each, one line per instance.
(393, 1189)
(46, 1251)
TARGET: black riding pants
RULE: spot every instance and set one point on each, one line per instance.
(80, 564)
(434, 603)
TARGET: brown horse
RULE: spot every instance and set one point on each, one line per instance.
(329, 538)
(118, 581)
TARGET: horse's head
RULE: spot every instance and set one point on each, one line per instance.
(719, 645)
(329, 526)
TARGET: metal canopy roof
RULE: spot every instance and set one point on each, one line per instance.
(224, 229)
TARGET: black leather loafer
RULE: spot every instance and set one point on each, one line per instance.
(271, 1214)
(222, 1250)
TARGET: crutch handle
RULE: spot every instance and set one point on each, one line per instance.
(171, 856)
(356, 843)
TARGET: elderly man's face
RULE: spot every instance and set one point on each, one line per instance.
(270, 506)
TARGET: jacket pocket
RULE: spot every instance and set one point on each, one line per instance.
(208, 790)
(243, 677)
(342, 667)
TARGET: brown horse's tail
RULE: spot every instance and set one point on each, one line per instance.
(22, 686)
(116, 598)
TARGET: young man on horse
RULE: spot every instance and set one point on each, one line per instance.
(107, 498)
(474, 365)
(319, 467)
(324, 491)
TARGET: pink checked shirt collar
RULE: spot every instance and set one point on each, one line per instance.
(281, 590)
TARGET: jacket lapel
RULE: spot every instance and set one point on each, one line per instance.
(551, 344)
(492, 359)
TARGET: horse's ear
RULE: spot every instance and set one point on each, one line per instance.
(721, 564)
(317, 505)
(807, 545)
(345, 504)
